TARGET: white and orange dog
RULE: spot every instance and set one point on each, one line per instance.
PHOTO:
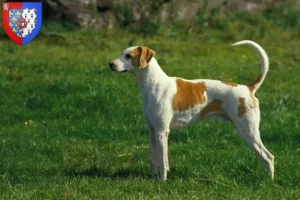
(172, 103)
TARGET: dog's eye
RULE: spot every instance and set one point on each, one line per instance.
(127, 56)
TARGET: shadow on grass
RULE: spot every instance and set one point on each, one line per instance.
(241, 175)
(95, 171)
(124, 173)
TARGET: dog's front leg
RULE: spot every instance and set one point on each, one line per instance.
(153, 150)
(161, 142)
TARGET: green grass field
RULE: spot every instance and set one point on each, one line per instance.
(72, 129)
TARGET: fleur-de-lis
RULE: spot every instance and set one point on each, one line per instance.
(18, 13)
(14, 19)
(14, 30)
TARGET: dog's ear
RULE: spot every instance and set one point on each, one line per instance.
(145, 56)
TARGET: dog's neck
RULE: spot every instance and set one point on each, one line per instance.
(150, 77)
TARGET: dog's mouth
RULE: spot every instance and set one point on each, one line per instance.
(113, 68)
(125, 70)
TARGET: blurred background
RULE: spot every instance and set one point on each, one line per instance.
(70, 128)
(151, 14)
(150, 17)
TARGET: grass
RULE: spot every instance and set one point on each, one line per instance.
(72, 129)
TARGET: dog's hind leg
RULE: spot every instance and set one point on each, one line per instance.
(248, 128)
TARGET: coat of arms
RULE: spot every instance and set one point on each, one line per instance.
(22, 20)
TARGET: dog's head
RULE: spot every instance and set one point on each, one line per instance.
(132, 58)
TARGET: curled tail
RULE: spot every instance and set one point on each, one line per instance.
(264, 63)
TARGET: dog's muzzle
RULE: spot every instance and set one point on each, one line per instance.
(113, 67)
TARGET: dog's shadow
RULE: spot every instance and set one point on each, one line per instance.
(121, 173)
(143, 174)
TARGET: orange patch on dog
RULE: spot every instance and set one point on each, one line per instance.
(188, 94)
(251, 89)
(242, 107)
(141, 56)
(214, 106)
(230, 84)
(258, 80)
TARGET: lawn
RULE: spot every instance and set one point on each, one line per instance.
(72, 129)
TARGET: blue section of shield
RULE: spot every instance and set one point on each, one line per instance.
(35, 31)
(14, 16)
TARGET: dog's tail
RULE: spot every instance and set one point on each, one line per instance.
(264, 63)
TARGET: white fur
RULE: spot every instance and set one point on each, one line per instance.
(158, 90)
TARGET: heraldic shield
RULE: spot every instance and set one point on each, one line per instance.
(22, 20)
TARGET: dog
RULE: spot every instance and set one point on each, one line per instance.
(171, 103)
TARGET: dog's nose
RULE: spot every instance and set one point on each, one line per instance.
(111, 64)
